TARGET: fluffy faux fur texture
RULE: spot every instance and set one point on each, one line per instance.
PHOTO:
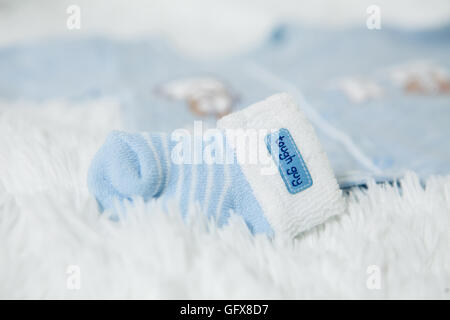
(49, 222)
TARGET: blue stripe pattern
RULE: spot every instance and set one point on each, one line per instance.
(132, 165)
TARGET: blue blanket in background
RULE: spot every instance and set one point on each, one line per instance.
(380, 99)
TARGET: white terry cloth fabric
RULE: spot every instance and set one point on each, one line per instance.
(288, 213)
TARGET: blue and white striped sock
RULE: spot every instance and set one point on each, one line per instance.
(131, 165)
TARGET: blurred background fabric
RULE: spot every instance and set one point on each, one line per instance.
(379, 99)
(203, 27)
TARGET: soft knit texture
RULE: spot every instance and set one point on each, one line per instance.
(150, 166)
(131, 165)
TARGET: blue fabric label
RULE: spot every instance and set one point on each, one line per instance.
(286, 155)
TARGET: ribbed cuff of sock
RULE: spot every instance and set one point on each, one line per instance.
(288, 211)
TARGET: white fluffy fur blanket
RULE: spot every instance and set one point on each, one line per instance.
(54, 244)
